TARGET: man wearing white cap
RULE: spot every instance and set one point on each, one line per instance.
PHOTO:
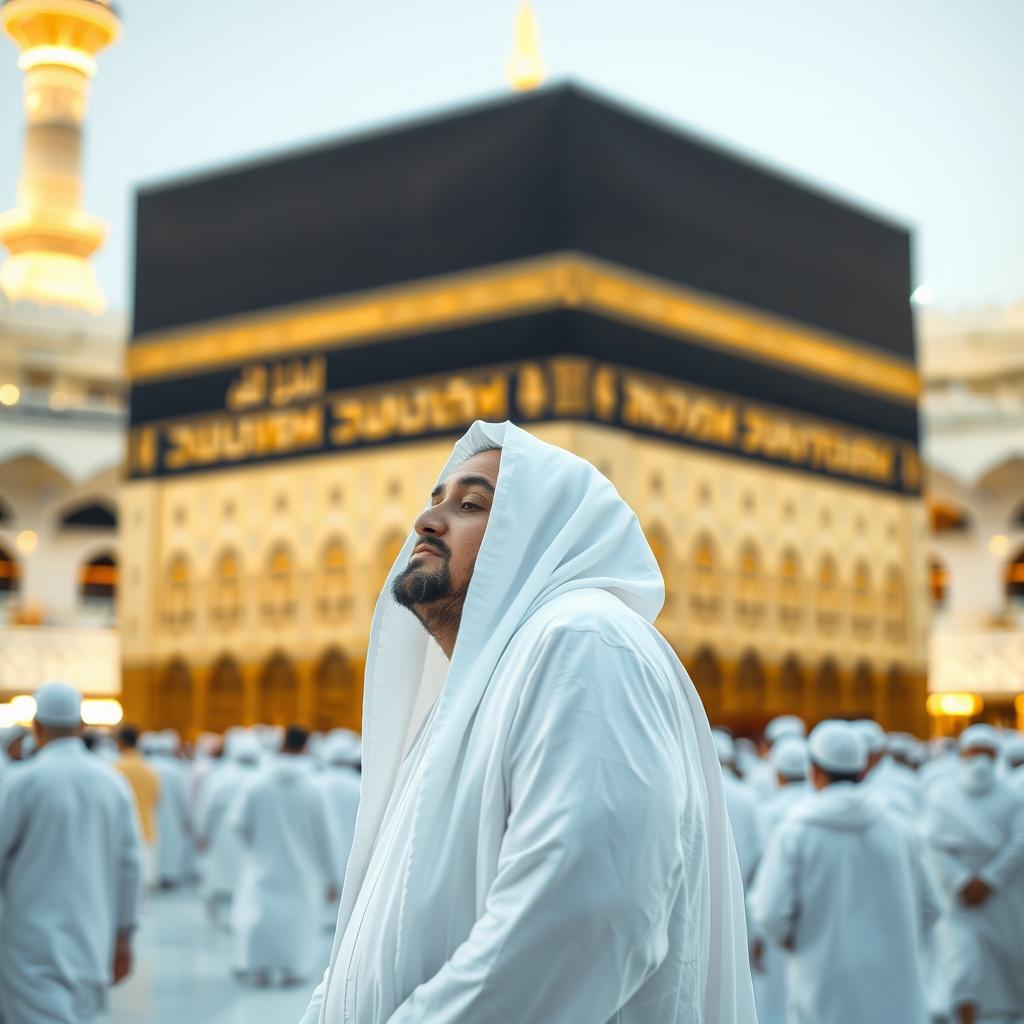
(542, 833)
(339, 783)
(789, 759)
(762, 776)
(173, 828)
(843, 890)
(974, 827)
(70, 866)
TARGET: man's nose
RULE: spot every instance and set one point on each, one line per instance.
(430, 522)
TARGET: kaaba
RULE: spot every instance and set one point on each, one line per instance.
(733, 349)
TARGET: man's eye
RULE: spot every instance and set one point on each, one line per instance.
(469, 505)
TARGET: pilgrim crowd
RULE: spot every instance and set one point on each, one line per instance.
(884, 877)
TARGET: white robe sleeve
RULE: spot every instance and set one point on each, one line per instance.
(591, 860)
(1008, 863)
(773, 902)
(129, 875)
(312, 1014)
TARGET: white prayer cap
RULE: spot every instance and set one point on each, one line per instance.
(901, 744)
(59, 705)
(784, 725)
(789, 757)
(342, 747)
(871, 733)
(836, 747)
(725, 746)
(980, 737)
(245, 749)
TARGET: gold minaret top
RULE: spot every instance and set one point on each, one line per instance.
(49, 236)
(524, 68)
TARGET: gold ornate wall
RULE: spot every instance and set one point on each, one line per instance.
(248, 591)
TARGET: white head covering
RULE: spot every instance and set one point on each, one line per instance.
(1013, 748)
(980, 737)
(871, 733)
(836, 747)
(784, 725)
(341, 747)
(789, 757)
(901, 744)
(59, 705)
(556, 526)
(725, 746)
(244, 749)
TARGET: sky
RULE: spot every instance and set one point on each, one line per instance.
(910, 108)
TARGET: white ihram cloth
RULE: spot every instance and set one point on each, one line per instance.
(770, 982)
(286, 869)
(220, 863)
(746, 824)
(556, 848)
(173, 831)
(340, 787)
(70, 879)
(982, 947)
(846, 884)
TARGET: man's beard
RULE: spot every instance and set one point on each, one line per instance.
(430, 596)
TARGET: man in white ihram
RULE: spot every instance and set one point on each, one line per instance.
(546, 842)
(70, 874)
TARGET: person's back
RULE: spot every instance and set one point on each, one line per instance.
(286, 870)
(842, 888)
(339, 784)
(70, 869)
(172, 816)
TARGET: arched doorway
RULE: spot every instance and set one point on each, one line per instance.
(750, 685)
(338, 700)
(862, 692)
(828, 696)
(901, 700)
(792, 686)
(279, 693)
(174, 698)
(225, 696)
(706, 673)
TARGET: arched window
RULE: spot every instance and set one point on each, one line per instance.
(662, 549)
(334, 583)
(279, 697)
(792, 693)
(1015, 580)
(828, 696)
(387, 552)
(861, 601)
(705, 579)
(895, 606)
(98, 579)
(278, 595)
(947, 519)
(338, 702)
(828, 597)
(750, 684)
(901, 700)
(178, 595)
(174, 696)
(706, 673)
(750, 595)
(225, 696)
(226, 590)
(862, 692)
(91, 515)
(791, 598)
(10, 575)
(938, 581)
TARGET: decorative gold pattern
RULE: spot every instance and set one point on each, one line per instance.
(559, 281)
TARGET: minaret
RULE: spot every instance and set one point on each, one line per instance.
(49, 236)
(524, 68)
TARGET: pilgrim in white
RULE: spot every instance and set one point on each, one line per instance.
(542, 832)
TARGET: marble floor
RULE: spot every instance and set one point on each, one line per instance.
(182, 973)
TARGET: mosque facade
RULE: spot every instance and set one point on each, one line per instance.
(733, 351)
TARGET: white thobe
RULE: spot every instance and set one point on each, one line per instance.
(555, 847)
(898, 787)
(770, 981)
(173, 833)
(286, 869)
(223, 854)
(845, 884)
(340, 787)
(70, 875)
(982, 947)
(746, 824)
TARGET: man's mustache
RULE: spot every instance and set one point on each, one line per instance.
(433, 542)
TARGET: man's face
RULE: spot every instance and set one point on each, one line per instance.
(450, 533)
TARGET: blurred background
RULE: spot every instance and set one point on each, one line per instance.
(760, 263)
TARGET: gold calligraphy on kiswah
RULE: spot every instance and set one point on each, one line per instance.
(283, 409)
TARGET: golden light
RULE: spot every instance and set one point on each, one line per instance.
(999, 545)
(10, 394)
(7, 718)
(101, 711)
(524, 68)
(954, 705)
(1018, 706)
(27, 541)
(63, 56)
(23, 709)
